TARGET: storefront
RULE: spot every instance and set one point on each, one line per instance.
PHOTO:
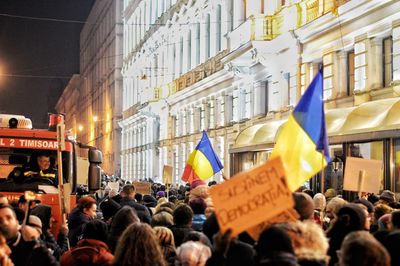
(370, 130)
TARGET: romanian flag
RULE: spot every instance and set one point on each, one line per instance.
(302, 142)
(203, 163)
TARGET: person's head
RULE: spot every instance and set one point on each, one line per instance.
(183, 215)
(8, 222)
(122, 219)
(387, 197)
(44, 213)
(138, 246)
(361, 248)
(308, 240)
(370, 208)
(350, 217)
(198, 205)
(88, 206)
(43, 161)
(192, 254)
(385, 222)
(164, 235)
(272, 241)
(330, 193)
(396, 220)
(381, 209)
(319, 202)
(309, 192)
(162, 218)
(95, 229)
(36, 223)
(197, 236)
(139, 198)
(128, 191)
(333, 206)
(3, 199)
(22, 203)
(304, 205)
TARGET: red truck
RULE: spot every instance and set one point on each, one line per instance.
(20, 145)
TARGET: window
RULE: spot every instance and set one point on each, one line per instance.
(235, 105)
(184, 123)
(208, 39)
(387, 61)
(191, 120)
(202, 117)
(197, 44)
(266, 96)
(177, 125)
(247, 102)
(222, 111)
(176, 164)
(219, 29)
(189, 51)
(350, 72)
(211, 115)
(181, 57)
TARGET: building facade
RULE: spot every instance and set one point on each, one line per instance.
(237, 68)
(97, 91)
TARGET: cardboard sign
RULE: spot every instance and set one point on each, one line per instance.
(362, 175)
(289, 215)
(114, 185)
(143, 188)
(251, 198)
(167, 174)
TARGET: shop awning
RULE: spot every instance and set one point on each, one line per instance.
(371, 120)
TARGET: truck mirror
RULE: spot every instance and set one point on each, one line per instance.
(95, 156)
(94, 176)
(94, 181)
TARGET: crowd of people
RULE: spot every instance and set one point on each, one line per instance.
(178, 226)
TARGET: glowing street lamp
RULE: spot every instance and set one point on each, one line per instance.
(80, 128)
(95, 118)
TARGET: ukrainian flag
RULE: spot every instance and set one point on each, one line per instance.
(203, 163)
(302, 143)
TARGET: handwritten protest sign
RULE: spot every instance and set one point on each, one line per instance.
(167, 174)
(362, 175)
(251, 198)
(289, 215)
(143, 188)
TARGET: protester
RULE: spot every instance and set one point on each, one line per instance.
(332, 208)
(83, 213)
(192, 254)
(392, 244)
(309, 242)
(395, 220)
(304, 205)
(122, 219)
(139, 246)
(350, 217)
(387, 197)
(26, 248)
(330, 193)
(3, 199)
(183, 216)
(274, 247)
(167, 244)
(362, 249)
(92, 249)
(5, 251)
(56, 247)
(198, 205)
(162, 218)
(319, 208)
(128, 199)
(197, 236)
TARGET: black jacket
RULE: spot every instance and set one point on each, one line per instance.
(142, 212)
(76, 220)
(26, 253)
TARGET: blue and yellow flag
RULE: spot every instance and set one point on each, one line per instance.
(302, 143)
(203, 163)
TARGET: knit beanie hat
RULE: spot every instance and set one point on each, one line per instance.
(196, 183)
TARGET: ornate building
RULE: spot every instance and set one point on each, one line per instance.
(237, 68)
(95, 94)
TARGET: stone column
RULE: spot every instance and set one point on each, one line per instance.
(341, 71)
(238, 13)
(213, 32)
(361, 59)
(259, 97)
(203, 40)
(375, 65)
(195, 47)
(185, 60)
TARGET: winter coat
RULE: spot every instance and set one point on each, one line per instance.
(88, 252)
(179, 233)
(198, 221)
(27, 253)
(142, 212)
(76, 220)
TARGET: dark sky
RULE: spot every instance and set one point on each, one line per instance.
(31, 47)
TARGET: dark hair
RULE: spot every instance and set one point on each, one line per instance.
(197, 236)
(85, 203)
(272, 241)
(366, 203)
(3, 206)
(128, 190)
(198, 205)
(309, 192)
(138, 197)
(122, 219)
(183, 215)
(95, 229)
(396, 219)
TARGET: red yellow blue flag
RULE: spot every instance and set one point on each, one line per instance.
(203, 163)
(302, 143)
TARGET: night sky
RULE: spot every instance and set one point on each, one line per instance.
(40, 48)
